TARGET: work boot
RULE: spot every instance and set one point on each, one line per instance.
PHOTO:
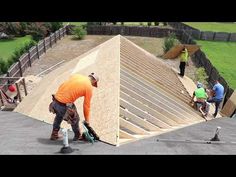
(55, 135)
(79, 137)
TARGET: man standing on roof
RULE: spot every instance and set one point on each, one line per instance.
(183, 60)
(218, 94)
(75, 87)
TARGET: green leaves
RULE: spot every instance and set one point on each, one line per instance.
(169, 42)
(201, 76)
(79, 32)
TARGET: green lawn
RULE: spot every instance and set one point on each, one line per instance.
(8, 46)
(213, 26)
(75, 23)
(223, 57)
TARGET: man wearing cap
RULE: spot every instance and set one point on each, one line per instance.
(183, 60)
(218, 94)
(75, 87)
(201, 97)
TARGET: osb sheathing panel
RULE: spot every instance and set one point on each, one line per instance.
(230, 105)
(103, 60)
(176, 50)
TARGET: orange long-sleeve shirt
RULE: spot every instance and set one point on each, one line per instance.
(76, 86)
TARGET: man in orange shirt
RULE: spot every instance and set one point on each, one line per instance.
(75, 87)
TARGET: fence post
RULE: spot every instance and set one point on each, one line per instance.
(18, 91)
(1, 98)
(44, 45)
(19, 64)
(23, 80)
(64, 30)
(29, 58)
(50, 41)
(55, 34)
(214, 34)
(200, 35)
(37, 50)
(59, 34)
(188, 38)
(229, 36)
(224, 100)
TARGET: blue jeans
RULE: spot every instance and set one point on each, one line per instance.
(60, 112)
(217, 104)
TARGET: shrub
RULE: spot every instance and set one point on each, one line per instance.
(201, 76)
(20, 51)
(13, 28)
(56, 26)
(94, 23)
(38, 30)
(3, 66)
(156, 23)
(23, 28)
(122, 23)
(79, 32)
(149, 23)
(169, 42)
(164, 23)
(84, 26)
(141, 23)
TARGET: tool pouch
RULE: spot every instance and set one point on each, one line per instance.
(51, 105)
(71, 115)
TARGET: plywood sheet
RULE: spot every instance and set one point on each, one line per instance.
(230, 105)
(103, 60)
(175, 51)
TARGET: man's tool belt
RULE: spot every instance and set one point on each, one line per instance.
(71, 115)
(51, 105)
(58, 102)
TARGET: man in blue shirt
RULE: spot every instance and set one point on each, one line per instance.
(218, 94)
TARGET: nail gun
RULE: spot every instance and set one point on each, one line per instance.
(89, 134)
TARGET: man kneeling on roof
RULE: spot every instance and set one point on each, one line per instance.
(201, 97)
(63, 103)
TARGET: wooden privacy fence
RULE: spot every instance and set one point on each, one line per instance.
(151, 31)
(204, 35)
(201, 60)
(34, 53)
